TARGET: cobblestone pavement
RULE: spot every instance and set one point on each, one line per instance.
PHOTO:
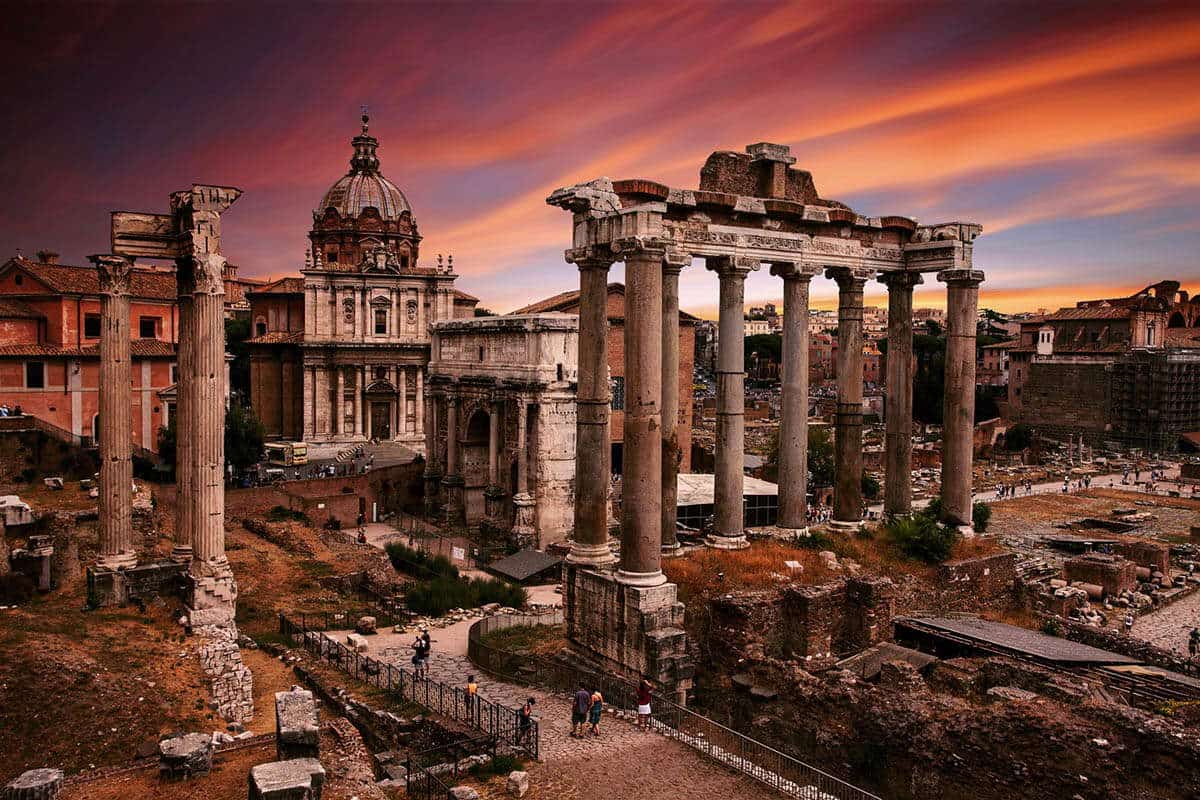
(1168, 627)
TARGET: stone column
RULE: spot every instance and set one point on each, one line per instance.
(524, 531)
(729, 521)
(116, 415)
(453, 482)
(401, 405)
(793, 428)
(847, 483)
(358, 400)
(641, 486)
(213, 591)
(593, 401)
(493, 495)
(419, 401)
(339, 402)
(958, 417)
(897, 484)
(433, 473)
(309, 400)
(185, 398)
(673, 264)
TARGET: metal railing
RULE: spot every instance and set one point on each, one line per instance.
(495, 720)
(782, 772)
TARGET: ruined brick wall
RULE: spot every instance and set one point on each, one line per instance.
(1061, 398)
(1156, 557)
(1112, 573)
(393, 488)
(230, 681)
(971, 582)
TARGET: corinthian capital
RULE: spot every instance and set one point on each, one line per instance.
(201, 273)
(590, 257)
(734, 266)
(114, 273)
(901, 279)
(650, 246)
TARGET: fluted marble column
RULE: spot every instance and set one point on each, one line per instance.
(185, 401)
(116, 421)
(433, 472)
(729, 515)
(593, 401)
(453, 482)
(673, 264)
(897, 485)
(793, 428)
(847, 485)
(208, 334)
(641, 486)
(958, 418)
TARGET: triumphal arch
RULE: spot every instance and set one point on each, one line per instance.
(751, 209)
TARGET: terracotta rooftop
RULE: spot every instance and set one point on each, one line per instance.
(289, 285)
(464, 296)
(66, 279)
(1090, 312)
(140, 348)
(278, 337)
(565, 300)
(1007, 344)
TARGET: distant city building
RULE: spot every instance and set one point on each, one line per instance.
(992, 369)
(1123, 369)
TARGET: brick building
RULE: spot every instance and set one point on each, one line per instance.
(340, 353)
(50, 345)
(1125, 370)
(992, 369)
(568, 303)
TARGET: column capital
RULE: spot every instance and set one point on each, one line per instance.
(790, 271)
(735, 266)
(675, 260)
(200, 273)
(901, 279)
(849, 279)
(590, 257)
(643, 246)
(114, 273)
(961, 277)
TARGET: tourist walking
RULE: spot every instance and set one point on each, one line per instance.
(525, 721)
(1129, 623)
(471, 699)
(579, 709)
(643, 704)
(594, 711)
(1193, 643)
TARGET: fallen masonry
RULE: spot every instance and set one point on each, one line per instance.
(185, 756)
(295, 779)
(35, 784)
(297, 729)
(232, 681)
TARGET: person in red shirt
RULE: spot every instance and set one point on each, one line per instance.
(643, 704)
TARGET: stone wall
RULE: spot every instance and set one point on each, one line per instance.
(392, 488)
(631, 630)
(231, 682)
(1156, 557)
(1117, 642)
(975, 581)
(814, 624)
(1061, 398)
(1113, 574)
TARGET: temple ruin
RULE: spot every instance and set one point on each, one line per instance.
(751, 209)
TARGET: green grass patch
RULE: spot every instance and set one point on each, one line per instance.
(443, 593)
(419, 563)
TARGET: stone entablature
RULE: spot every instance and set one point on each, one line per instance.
(501, 424)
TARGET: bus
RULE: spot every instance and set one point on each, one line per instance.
(287, 454)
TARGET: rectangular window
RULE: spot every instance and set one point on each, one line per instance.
(147, 327)
(174, 373)
(617, 388)
(91, 326)
(35, 375)
(380, 322)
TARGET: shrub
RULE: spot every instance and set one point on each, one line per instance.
(815, 540)
(1051, 627)
(419, 563)
(870, 486)
(921, 537)
(981, 515)
(443, 593)
(284, 514)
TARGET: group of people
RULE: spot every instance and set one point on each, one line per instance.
(15, 411)
(587, 708)
(1009, 490)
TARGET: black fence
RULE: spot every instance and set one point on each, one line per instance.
(778, 770)
(493, 719)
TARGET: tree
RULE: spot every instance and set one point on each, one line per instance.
(1018, 437)
(767, 345)
(484, 312)
(237, 331)
(166, 443)
(870, 486)
(243, 438)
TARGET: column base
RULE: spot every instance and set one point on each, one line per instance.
(493, 505)
(524, 531)
(719, 542)
(181, 554)
(642, 580)
(210, 595)
(845, 526)
(590, 555)
(116, 561)
(966, 531)
(674, 550)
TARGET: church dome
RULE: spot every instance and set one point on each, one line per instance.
(363, 186)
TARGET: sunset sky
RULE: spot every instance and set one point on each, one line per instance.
(1071, 131)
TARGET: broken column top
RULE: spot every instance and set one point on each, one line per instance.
(295, 712)
(44, 778)
(280, 779)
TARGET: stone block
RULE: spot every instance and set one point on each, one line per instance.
(35, 784)
(366, 626)
(297, 731)
(1113, 574)
(517, 784)
(357, 643)
(295, 779)
(181, 757)
(463, 793)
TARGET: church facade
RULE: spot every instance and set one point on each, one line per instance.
(341, 353)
